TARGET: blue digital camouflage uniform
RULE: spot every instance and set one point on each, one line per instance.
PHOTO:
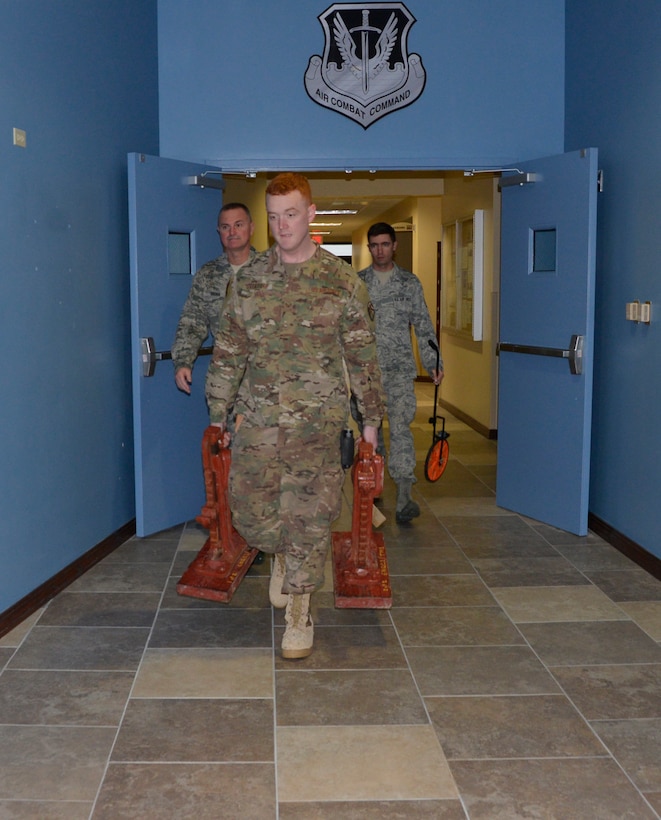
(398, 306)
(201, 311)
(285, 332)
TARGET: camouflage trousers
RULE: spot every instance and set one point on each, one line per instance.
(285, 491)
(401, 407)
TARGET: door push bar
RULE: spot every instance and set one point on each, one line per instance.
(150, 356)
(574, 354)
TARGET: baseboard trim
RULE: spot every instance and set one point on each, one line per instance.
(16, 614)
(639, 555)
(471, 422)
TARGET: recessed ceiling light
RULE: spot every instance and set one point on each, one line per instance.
(339, 212)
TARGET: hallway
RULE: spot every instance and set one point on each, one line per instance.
(518, 675)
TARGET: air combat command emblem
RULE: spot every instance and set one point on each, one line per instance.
(366, 71)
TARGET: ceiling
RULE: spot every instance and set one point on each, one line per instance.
(370, 194)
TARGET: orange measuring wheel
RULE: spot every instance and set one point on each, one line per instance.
(439, 452)
(437, 459)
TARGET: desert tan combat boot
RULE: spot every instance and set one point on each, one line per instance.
(276, 596)
(299, 634)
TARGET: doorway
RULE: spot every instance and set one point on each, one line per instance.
(418, 204)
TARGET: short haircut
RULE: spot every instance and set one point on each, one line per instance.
(232, 206)
(289, 182)
(380, 228)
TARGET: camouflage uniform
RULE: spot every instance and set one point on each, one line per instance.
(398, 305)
(201, 311)
(286, 331)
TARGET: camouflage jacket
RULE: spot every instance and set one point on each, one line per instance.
(288, 331)
(398, 306)
(201, 311)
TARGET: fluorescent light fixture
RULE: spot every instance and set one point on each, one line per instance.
(321, 233)
(339, 212)
(339, 249)
(325, 224)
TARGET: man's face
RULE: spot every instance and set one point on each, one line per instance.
(382, 249)
(235, 229)
(289, 218)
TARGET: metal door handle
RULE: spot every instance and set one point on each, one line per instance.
(574, 354)
(150, 355)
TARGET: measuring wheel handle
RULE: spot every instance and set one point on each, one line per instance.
(439, 452)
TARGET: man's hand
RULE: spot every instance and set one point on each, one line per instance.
(183, 379)
(371, 436)
(224, 435)
(437, 376)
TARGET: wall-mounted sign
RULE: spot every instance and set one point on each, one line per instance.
(366, 71)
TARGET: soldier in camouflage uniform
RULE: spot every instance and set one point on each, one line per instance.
(290, 321)
(398, 304)
(201, 311)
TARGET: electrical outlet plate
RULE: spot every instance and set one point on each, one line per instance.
(633, 311)
(20, 138)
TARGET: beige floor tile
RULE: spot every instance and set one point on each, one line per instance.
(552, 789)
(361, 763)
(44, 810)
(590, 643)
(203, 791)
(195, 730)
(654, 799)
(200, 735)
(53, 762)
(568, 603)
(192, 538)
(348, 697)
(477, 459)
(613, 692)
(373, 810)
(488, 728)
(636, 745)
(464, 506)
(206, 672)
(647, 614)
(17, 634)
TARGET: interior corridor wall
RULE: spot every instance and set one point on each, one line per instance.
(613, 94)
(470, 385)
(481, 104)
(69, 81)
(231, 87)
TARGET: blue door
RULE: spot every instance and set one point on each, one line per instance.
(546, 339)
(172, 228)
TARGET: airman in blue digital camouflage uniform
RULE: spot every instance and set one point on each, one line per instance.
(293, 322)
(398, 304)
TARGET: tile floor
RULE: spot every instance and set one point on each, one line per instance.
(518, 675)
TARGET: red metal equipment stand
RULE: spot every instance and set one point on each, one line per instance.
(225, 558)
(360, 567)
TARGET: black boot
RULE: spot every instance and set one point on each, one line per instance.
(406, 509)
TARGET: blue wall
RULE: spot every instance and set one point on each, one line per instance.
(614, 101)
(232, 91)
(80, 77)
(83, 79)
